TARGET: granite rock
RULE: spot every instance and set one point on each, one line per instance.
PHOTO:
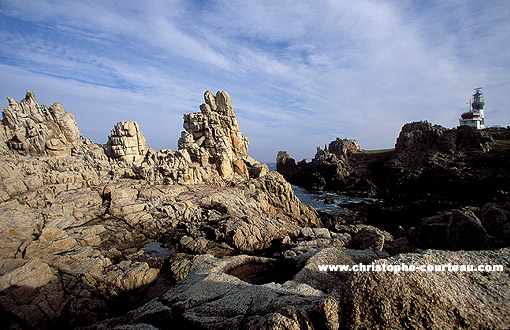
(34, 129)
(126, 142)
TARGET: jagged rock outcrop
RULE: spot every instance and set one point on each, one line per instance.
(343, 147)
(74, 229)
(421, 142)
(127, 143)
(211, 149)
(332, 168)
(34, 129)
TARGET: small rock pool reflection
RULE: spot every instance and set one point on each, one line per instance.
(154, 249)
(278, 271)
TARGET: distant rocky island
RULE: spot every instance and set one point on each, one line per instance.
(122, 236)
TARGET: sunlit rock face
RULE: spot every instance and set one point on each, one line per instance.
(126, 142)
(212, 149)
(76, 217)
(34, 129)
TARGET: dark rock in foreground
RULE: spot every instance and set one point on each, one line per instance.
(211, 298)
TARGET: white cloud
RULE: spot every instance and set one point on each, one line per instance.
(299, 73)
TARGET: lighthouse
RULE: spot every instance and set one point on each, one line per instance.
(474, 117)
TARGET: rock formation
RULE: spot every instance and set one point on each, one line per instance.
(332, 168)
(343, 147)
(73, 228)
(34, 129)
(211, 149)
(425, 185)
(419, 141)
(285, 164)
(463, 230)
(127, 143)
(241, 292)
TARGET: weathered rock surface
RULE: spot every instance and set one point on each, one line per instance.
(217, 294)
(74, 228)
(210, 298)
(211, 149)
(419, 299)
(127, 143)
(35, 129)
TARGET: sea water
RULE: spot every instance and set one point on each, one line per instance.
(317, 200)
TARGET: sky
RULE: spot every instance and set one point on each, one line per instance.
(300, 73)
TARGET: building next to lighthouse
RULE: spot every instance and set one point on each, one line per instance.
(474, 117)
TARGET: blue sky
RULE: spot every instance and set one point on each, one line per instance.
(300, 73)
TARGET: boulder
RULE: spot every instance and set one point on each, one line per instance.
(249, 234)
(128, 275)
(455, 230)
(30, 291)
(126, 142)
(496, 221)
(465, 232)
(368, 238)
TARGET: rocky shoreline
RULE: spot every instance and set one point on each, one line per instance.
(432, 173)
(81, 225)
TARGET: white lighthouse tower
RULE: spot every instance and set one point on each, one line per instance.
(474, 117)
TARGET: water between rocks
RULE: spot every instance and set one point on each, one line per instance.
(154, 249)
(317, 200)
(252, 273)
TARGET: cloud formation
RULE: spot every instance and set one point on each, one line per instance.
(299, 73)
